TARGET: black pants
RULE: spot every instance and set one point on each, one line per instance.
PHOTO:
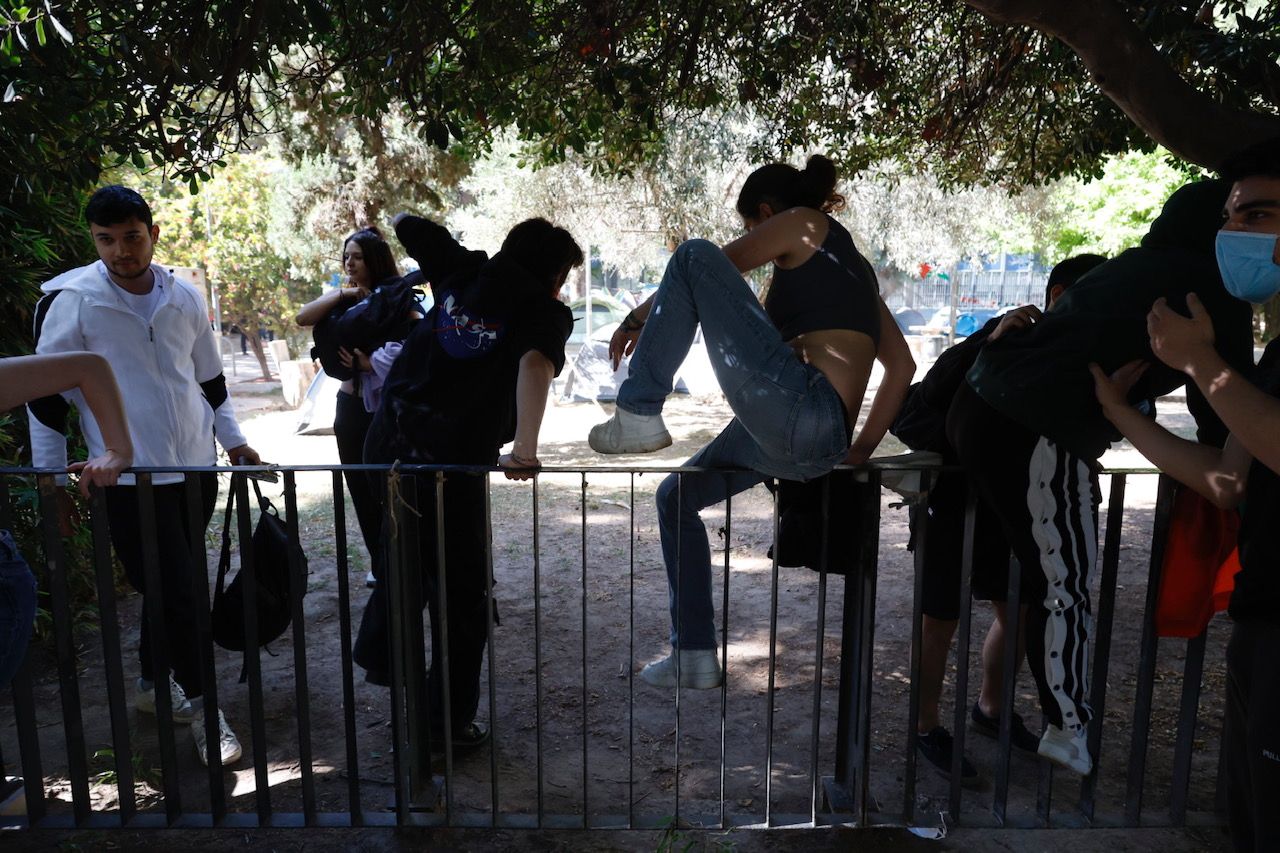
(1046, 501)
(178, 574)
(350, 426)
(466, 564)
(1251, 737)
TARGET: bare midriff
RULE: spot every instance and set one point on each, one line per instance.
(844, 357)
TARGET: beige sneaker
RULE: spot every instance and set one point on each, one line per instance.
(228, 743)
(629, 433)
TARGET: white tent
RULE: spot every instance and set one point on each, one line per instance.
(590, 376)
(315, 417)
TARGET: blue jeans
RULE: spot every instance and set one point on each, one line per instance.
(789, 421)
(17, 607)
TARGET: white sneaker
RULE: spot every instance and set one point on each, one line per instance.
(1068, 748)
(629, 433)
(699, 669)
(145, 701)
(227, 741)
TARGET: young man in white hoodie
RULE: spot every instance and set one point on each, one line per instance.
(154, 330)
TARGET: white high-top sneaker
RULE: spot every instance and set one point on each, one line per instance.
(626, 432)
(1067, 748)
(699, 669)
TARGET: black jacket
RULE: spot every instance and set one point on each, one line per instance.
(450, 396)
(1040, 376)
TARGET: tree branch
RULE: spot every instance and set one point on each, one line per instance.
(1129, 70)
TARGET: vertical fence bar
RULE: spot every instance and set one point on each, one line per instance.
(252, 660)
(64, 642)
(773, 667)
(301, 688)
(442, 610)
(1147, 655)
(586, 812)
(920, 538)
(417, 706)
(354, 805)
(631, 656)
(154, 600)
(724, 652)
(1010, 660)
(489, 615)
(962, 652)
(394, 570)
(1193, 669)
(1102, 649)
(112, 658)
(537, 653)
(816, 728)
(675, 651)
(24, 717)
(197, 525)
(865, 602)
(1044, 786)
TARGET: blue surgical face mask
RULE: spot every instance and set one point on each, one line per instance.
(1247, 264)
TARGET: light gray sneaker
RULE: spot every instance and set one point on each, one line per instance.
(1068, 748)
(626, 432)
(145, 701)
(228, 743)
(699, 670)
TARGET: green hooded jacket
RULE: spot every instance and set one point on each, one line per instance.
(1039, 376)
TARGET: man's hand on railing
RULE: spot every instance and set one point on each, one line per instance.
(518, 467)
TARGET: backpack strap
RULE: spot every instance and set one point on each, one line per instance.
(224, 560)
(264, 503)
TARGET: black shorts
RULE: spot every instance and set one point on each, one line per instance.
(944, 550)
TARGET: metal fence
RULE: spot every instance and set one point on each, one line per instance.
(844, 679)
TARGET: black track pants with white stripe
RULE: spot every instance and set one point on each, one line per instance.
(1046, 500)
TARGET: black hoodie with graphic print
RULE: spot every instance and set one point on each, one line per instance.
(450, 396)
(1040, 376)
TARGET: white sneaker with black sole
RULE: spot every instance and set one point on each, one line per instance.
(1068, 748)
(627, 432)
(699, 670)
(227, 741)
(145, 701)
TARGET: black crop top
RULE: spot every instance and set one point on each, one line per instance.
(835, 289)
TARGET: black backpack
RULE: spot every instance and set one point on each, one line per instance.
(368, 324)
(270, 551)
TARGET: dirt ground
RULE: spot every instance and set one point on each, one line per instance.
(609, 742)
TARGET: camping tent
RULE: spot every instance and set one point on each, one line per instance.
(590, 376)
(315, 417)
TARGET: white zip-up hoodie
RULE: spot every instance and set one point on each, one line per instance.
(158, 365)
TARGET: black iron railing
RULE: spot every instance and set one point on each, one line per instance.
(837, 765)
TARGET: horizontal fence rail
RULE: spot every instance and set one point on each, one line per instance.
(813, 724)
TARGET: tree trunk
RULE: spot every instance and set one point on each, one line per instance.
(255, 344)
(1129, 70)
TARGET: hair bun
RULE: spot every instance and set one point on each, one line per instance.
(819, 176)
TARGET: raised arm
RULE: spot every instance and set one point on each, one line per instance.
(1220, 474)
(1186, 344)
(899, 369)
(317, 309)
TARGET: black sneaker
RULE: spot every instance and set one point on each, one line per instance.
(466, 739)
(1019, 736)
(936, 747)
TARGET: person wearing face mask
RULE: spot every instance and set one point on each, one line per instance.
(1246, 471)
(1028, 402)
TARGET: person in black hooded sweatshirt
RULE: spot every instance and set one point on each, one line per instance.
(1028, 430)
(471, 377)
